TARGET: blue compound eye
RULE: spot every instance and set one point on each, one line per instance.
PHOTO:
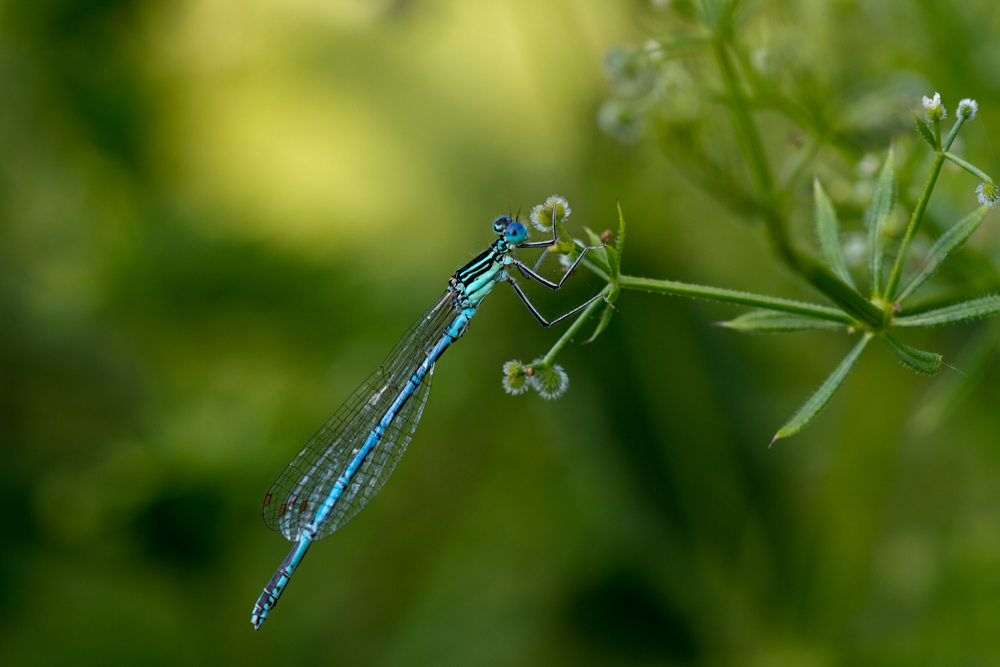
(500, 224)
(515, 233)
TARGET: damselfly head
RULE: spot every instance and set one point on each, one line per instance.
(515, 234)
(500, 225)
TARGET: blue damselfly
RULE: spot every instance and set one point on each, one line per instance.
(344, 465)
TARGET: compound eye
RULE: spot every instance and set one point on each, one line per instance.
(515, 233)
(500, 224)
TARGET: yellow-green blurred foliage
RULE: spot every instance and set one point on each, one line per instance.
(216, 216)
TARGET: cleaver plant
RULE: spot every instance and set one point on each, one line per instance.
(642, 80)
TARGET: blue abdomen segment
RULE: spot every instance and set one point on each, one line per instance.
(378, 433)
(275, 587)
(401, 384)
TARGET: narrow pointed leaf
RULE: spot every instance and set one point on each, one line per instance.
(883, 198)
(602, 324)
(828, 231)
(766, 321)
(612, 260)
(822, 396)
(952, 239)
(975, 309)
(928, 363)
(599, 253)
(925, 131)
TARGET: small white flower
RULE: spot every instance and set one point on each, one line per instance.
(550, 383)
(933, 109)
(968, 109)
(541, 215)
(515, 382)
(988, 193)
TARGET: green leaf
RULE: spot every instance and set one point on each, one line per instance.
(735, 296)
(612, 260)
(974, 309)
(599, 254)
(925, 131)
(928, 363)
(602, 324)
(767, 321)
(956, 235)
(828, 231)
(883, 198)
(822, 396)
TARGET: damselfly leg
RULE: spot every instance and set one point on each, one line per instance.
(538, 315)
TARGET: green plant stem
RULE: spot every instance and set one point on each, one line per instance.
(911, 228)
(925, 196)
(746, 131)
(971, 168)
(959, 122)
(735, 296)
(571, 332)
(816, 274)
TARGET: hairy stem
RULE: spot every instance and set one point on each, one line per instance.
(735, 296)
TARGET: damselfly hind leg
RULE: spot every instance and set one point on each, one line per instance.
(538, 315)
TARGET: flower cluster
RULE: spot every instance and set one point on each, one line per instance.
(550, 383)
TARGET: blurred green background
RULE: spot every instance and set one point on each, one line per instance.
(216, 217)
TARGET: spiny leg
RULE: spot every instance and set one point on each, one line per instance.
(538, 315)
(531, 275)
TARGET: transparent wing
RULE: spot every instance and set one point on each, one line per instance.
(303, 486)
(380, 462)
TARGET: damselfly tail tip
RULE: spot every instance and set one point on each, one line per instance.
(257, 619)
